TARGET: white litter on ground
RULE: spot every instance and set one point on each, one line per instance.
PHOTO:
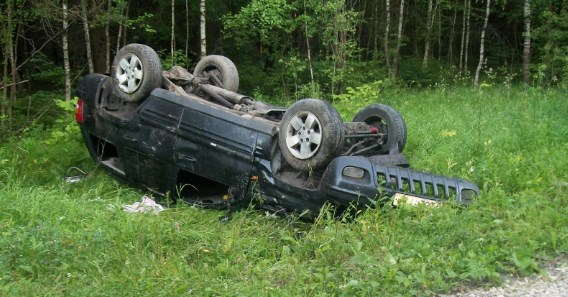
(146, 205)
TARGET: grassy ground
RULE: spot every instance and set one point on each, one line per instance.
(74, 239)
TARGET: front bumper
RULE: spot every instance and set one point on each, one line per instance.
(380, 181)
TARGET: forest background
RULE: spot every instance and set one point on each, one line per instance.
(481, 84)
(285, 49)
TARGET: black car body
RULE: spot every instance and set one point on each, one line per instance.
(206, 153)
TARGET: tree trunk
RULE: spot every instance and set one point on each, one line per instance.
(87, 35)
(387, 37)
(202, 28)
(124, 35)
(107, 37)
(122, 27)
(462, 45)
(482, 46)
(308, 48)
(467, 32)
(4, 101)
(527, 44)
(119, 34)
(186, 28)
(376, 24)
(452, 35)
(5, 82)
(12, 42)
(398, 41)
(360, 29)
(439, 32)
(429, 25)
(173, 39)
(66, 54)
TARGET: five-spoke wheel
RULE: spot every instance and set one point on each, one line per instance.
(303, 135)
(136, 71)
(129, 73)
(311, 134)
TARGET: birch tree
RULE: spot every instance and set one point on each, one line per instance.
(107, 36)
(85, 20)
(387, 36)
(452, 35)
(202, 19)
(429, 25)
(482, 45)
(396, 56)
(7, 82)
(186, 28)
(173, 37)
(527, 44)
(465, 35)
(66, 66)
(123, 11)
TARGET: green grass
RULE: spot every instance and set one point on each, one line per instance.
(75, 240)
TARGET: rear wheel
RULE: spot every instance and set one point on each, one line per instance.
(388, 121)
(136, 71)
(311, 134)
(220, 71)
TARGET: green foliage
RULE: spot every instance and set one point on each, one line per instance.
(65, 126)
(356, 98)
(177, 58)
(141, 22)
(265, 21)
(44, 72)
(551, 39)
(60, 238)
(32, 111)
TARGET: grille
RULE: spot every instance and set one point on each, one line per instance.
(428, 185)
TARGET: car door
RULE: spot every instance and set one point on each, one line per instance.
(216, 144)
(159, 120)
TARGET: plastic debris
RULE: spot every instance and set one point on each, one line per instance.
(74, 178)
(146, 205)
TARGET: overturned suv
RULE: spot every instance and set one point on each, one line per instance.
(193, 137)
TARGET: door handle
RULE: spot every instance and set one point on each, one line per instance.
(187, 158)
(130, 138)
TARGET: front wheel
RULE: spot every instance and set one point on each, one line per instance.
(388, 121)
(311, 134)
(219, 71)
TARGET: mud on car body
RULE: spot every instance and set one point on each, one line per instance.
(192, 136)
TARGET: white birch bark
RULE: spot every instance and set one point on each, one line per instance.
(66, 66)
(387, 36)
(202, 28)
(527, 44)
(482, 45)
(429, 24)
(398, 40)
(467, 33)
(173, 39)
(107, 38)
(87, 36)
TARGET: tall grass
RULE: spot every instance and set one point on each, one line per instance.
(74, 239)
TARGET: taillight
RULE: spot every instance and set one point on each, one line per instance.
(79, 111)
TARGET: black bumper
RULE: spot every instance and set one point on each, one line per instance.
(380, 181)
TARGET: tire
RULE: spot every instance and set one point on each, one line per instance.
(388, 120)
(136, 71)
(311, 134)
(220, 70)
